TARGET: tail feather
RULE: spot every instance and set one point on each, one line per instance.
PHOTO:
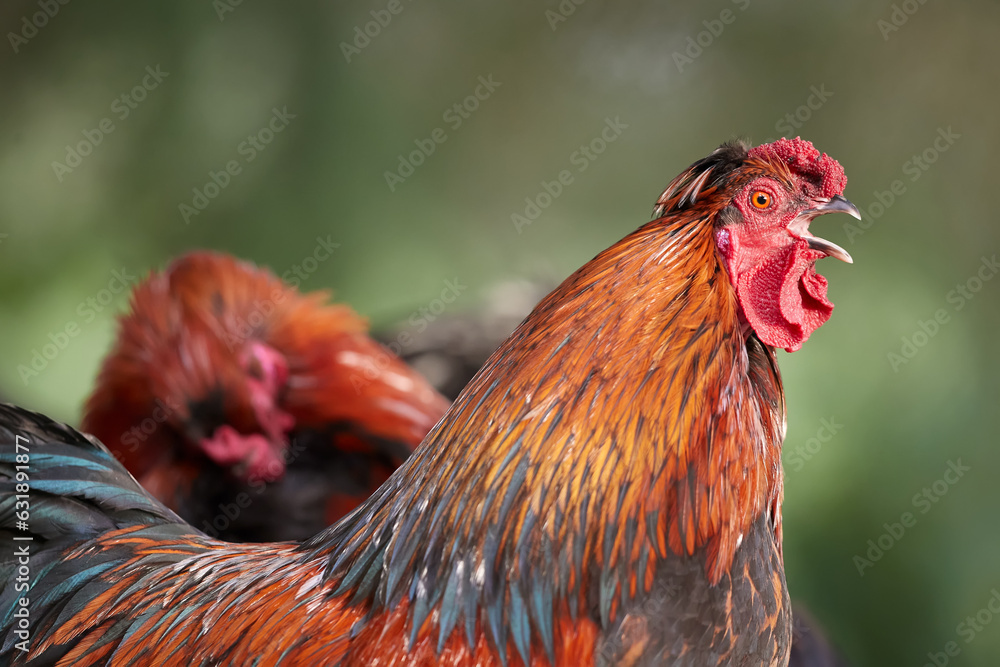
(75, 486)
(60, 489)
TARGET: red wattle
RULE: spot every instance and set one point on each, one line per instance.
(801, 306)
(258, 457)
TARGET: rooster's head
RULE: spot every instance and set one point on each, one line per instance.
(763, 200)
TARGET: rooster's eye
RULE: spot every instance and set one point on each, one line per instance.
(760, 199)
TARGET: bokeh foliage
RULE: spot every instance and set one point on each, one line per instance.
(324, 176)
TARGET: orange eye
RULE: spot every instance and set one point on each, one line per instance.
(760, 199)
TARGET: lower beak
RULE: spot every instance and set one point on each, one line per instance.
(800, 226)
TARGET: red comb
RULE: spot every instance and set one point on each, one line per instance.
(803, 158)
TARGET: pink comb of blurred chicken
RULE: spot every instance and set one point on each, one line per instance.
(806, 160)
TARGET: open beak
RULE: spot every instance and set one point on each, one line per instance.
(800, 226)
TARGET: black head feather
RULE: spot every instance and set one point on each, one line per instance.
(683, 191)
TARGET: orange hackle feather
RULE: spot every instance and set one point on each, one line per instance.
(607, 490)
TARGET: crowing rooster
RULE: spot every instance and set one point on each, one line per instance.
(606, 491)
(449, 352)
(255, 412)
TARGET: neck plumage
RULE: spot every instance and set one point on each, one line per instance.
(626, 420)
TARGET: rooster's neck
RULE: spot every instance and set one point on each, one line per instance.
(627, 421)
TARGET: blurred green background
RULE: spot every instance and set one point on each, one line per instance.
(884, 82)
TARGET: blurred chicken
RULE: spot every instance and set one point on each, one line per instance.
(254, 411)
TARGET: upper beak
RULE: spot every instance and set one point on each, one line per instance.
(800, 226)
(838, 204)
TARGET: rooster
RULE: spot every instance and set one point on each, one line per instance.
(255, 412)
(449, 352)
(606, 491)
